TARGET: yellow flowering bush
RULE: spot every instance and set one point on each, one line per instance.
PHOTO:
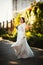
(25, 14)
(17, 20)
(14, 32)
(28, 34)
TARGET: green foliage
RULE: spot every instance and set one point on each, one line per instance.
(38, 27)
(36, 40)
(10, 37)
(2, 31)
(37, 11)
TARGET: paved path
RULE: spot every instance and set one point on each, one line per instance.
(7, 55)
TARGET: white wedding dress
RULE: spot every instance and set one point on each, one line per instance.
(21, 47)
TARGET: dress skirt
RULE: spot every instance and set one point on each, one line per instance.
(22, 48)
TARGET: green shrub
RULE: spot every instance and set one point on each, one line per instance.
(38, 22)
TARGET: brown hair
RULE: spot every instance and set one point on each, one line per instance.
(23, 19)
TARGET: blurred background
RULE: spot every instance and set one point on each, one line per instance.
(10, 13)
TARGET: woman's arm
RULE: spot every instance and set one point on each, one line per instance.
(28, 26)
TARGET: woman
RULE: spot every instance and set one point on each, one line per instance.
(21, 47)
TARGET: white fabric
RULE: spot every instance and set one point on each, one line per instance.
(21, 47)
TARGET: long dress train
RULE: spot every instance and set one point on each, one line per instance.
(21, 47)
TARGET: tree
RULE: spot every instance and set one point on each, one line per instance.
(37, 10)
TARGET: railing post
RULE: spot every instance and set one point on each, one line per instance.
(7, 24)
(11, 24)
(3, 24)
(0, 25)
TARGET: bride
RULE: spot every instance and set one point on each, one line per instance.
(21, 47)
